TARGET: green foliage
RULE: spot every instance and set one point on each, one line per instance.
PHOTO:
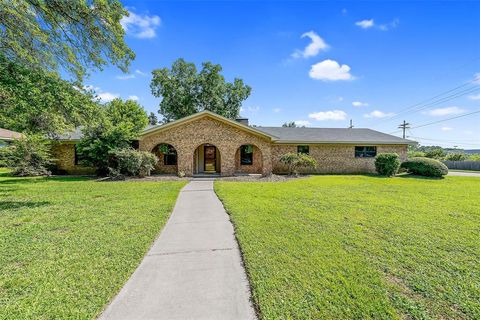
(290, 124)
(117, 126)
(456, 157)
(415, 154)
(425, 167)
(30, 156)
(474, 157)
(296, 161)
(387, 164)
(39, 102)
(69, 244)
(436, 153)
(73, 35)
(5, 152)
(185, 92)
(359, 247)
(131, 162)
(152, 119)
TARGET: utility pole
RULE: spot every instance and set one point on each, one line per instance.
(351, 124)
(404, 126)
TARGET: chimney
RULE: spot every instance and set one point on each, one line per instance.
(242, 121)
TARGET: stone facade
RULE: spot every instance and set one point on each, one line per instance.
(187, 136)
(335, 158)
(64, 155)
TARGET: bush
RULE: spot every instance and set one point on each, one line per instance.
(387, 164)
(436, 153)
(30, 156)
(474, 157)
(425, 167)
(131, 162)
(5, 152)
(415, 154)
(295, 161)
(456, 157)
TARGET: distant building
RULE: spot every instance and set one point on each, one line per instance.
(7, 136)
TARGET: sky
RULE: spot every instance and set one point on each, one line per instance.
(320, 63)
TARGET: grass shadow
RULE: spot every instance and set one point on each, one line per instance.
(417, 177)
(15, 205)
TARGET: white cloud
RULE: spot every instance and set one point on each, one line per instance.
(359, 104)
(330, 70)
(125, 77)
(378, 114)
(302, 123)
(365, 24)
(140, 26)
(474, 97)
(445, 111)
(133, 97)
(446, 129)
(317, 45)
(250, 109)
(107, 96)
(277, 110)
(140, 72)
(328, 115)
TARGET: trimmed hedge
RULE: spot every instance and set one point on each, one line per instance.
(387, 164)
(425, 167)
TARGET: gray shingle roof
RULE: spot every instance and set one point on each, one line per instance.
(306, 135)
(332, 135)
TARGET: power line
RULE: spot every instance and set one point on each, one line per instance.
(448, 141)
(404, 126)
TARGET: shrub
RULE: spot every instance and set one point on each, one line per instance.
(456, 157)
(131, 162)
(295, 161)
(415, 154)
(425, 167)
(387, 164)
(30, 156)
(474, 157)
(436, 153)
(5, 152)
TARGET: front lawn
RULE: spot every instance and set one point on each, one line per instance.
(360, 247)
(69, 244)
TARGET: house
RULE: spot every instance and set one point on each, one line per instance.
(208, 143)
(7, 136)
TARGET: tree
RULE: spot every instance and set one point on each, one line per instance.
(436, 153)
(152, 119)
(30, 156)
(73, 35)
(34, 101)
(456, 157)
(185, 92)
(116, 127)
(290, 124)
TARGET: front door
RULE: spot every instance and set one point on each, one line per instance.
(210, 153)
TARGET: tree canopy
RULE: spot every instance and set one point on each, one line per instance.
(74, 35)
(184, 91)
(152, 119)
(290, 124)
(34, 101)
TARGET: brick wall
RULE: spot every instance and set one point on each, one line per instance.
(64, 154)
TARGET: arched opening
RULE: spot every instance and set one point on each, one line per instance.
(248, 159)
(206, 159)
(167, 158)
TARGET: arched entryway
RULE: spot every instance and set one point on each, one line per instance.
(167, 158)
(206, 159)
(248, 159)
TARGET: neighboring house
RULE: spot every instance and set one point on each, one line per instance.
(7, 136)
(208, 143)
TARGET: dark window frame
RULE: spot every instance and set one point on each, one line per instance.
(170, 158)
(246, 158)
(77, 159)
(365, 151)
(303, 151)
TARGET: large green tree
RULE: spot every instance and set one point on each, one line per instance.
(185, 91)
(117, 125)
(74, 35)
(35, 101)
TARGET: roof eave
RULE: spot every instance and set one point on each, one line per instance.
(407, 142)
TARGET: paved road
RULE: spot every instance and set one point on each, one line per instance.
(464, 174)
(193, 270)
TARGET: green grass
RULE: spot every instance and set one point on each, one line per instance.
(69, 244)
(360, 247)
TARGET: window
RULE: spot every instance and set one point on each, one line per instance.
(246, 154)
(78, 158)
(365, 152)
(170, 156)
(303, 149)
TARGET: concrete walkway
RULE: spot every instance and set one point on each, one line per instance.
(464, 174)
(193, 270)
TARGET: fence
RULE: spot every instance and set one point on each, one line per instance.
(463, 165)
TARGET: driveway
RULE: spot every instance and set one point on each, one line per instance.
(464, 173)
(193, 270)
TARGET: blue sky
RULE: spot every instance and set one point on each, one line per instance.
(320, 63)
